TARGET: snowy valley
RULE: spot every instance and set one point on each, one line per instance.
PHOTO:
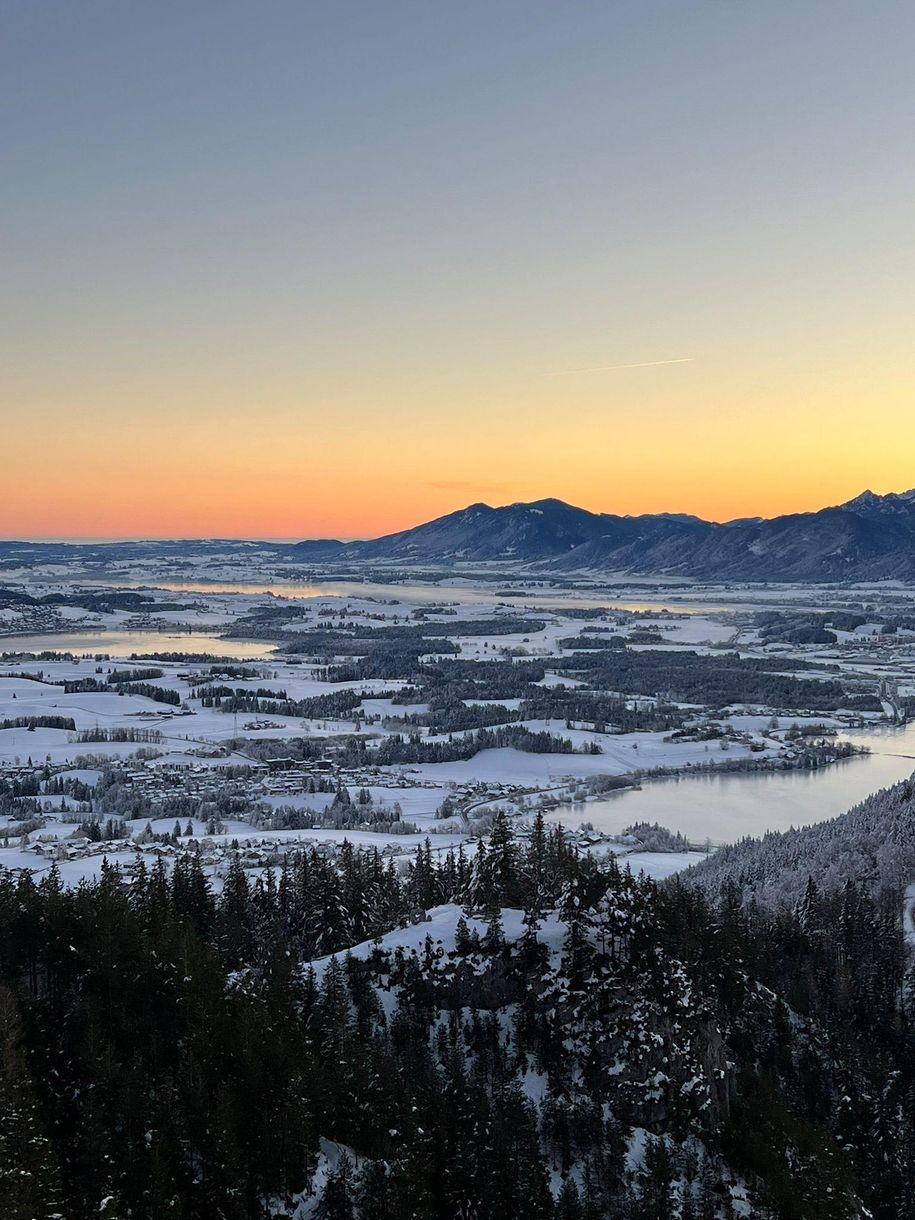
(480, 841)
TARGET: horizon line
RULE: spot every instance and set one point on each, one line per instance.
(291, 539)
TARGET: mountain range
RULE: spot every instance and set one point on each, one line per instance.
(869, 538)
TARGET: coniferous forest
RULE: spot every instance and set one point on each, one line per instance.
(559, 1039)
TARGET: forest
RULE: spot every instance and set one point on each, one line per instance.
(583, 1043)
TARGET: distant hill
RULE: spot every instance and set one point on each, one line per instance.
(870, 537)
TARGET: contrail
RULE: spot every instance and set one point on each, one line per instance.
(641, 364)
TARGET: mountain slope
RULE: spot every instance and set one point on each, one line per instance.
(870, 537)
(871, 845)
(542, 531)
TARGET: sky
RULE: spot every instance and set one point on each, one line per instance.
(300, 269)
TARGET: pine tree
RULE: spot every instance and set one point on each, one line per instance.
(463, 944)
(568, 1202)
(372, 1192)
(235, 916)
(503, 863)
(336, 1201)
(655, 1179)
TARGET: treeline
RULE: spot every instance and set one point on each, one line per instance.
(447, 717)
(370, 651)
(102, 602)
(159, 694)
(263, 700)
(811, 627)
(84, 686)
(339, 640)
(343, 813)
(788, 628)
(712, 681)
(615, 674)
(109, 831)
(603, 711)
(39, 722)
(144, 674)
(353, 750)
(391, 661)
(123, 686)
(120, 733)
(598, 710)
(214, 694)
(452, 680)
(67, 785)
(416, 749)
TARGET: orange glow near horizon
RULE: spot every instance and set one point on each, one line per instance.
(123, 513)
(296, 271)
(348, 473)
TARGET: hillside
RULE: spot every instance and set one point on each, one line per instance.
(871, 845)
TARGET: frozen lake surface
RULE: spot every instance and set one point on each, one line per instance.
(126, 643)
(724, 808)
(420, 592)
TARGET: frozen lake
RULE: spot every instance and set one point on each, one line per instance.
(724, 808)
(429, 593)
(126, 643)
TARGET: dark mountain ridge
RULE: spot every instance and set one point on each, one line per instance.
(870, 537)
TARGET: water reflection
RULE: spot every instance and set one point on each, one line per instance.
(125, 643)
(428, 594)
